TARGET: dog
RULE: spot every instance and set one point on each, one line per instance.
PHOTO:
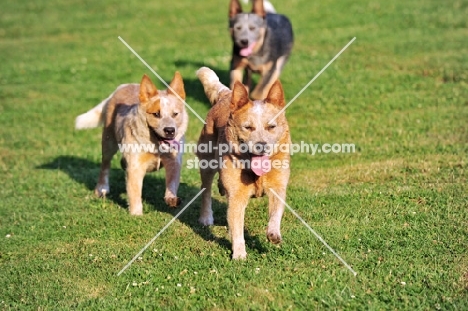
(262, 43)
(244, 136)
(150, 125)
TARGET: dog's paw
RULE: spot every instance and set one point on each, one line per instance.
(239, 255)
(135, 209)
(238, 250)
(206, 220)
(173, 201)
(136, 212)
(101, 191)
(274, 238)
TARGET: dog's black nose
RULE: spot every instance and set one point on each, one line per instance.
(169, 131)
(244, 42)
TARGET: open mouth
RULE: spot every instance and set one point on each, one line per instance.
(170, 140)
(172, 144)
(245, 52)
(260, 162)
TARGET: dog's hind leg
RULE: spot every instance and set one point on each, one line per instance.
(221, 189)
(134, 175)
(206, 212)
(109, 148)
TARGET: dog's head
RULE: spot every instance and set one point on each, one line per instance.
(165, 111)
(247, 29)
(258, 127)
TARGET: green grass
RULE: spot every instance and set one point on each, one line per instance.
(396, 210)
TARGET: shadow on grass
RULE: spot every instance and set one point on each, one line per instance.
(86, 172)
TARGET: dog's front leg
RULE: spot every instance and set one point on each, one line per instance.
(236, 75)
(248, 79)
(275, 211)
(237, 202)
(173, 167)
(134, 175)
(269, 74)
(236, 70)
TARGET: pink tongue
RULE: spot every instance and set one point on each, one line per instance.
(172, 143)
(260, 165)
(247, 51)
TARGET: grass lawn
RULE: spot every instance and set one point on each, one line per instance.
(396, 209)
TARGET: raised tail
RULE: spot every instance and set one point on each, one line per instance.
(211, 84)
(269, 8)
(94, 117)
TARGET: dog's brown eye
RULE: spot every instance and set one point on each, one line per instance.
(175, 114)
(252, 28)
(157, 114)
(271, 127)
(248, 128)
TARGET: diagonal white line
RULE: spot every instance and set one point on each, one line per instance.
(313, 79)
(159, 233)
(161, 79)
(315, 233)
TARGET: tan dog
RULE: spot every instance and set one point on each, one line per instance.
(252, 153)
(148, 127)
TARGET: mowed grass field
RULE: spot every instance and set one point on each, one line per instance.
(395, 209)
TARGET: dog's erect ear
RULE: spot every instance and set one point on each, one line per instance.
(257, 8)
(235, 8)
(147, 89)
(276, 95)
(177, 86)
(240, 97)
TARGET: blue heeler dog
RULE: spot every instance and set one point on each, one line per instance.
(262, 43)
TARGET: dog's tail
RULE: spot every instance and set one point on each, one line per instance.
(94, 117)
(269, 8)
(211, 84)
